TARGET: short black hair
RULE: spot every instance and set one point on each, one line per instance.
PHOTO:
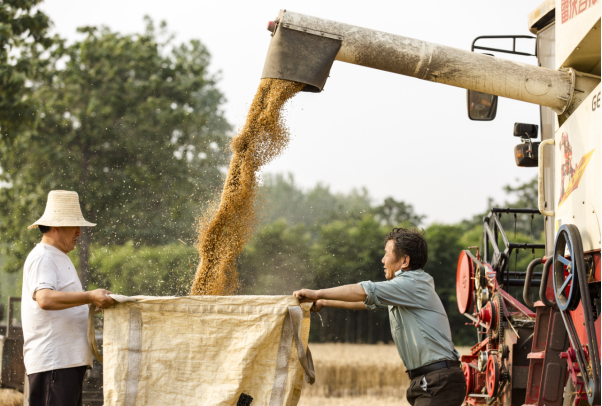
(43, 229)
(410, 242)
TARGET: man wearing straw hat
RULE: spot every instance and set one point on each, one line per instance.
(54, 307)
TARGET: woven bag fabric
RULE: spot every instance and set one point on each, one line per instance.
(205, 350)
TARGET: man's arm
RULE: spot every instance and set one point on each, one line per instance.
(345, 293)
(337, 304)
(49, 299)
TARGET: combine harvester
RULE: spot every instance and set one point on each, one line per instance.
(542, 353)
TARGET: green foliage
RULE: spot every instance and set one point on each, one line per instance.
(523, 196)
(134, 126)
(348, 252)
(315, 206)
(276, 261)
(444, 243)
(165, 270)
(23, 37)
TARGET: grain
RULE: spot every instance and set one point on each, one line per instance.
(224, 230)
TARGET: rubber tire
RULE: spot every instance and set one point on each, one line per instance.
(569, 395)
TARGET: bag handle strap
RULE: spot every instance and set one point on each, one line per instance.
(305, 358)
(92, 334)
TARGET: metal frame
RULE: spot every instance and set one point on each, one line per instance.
(500, 259)
(513, 37)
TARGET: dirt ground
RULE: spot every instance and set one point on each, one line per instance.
(10, 397)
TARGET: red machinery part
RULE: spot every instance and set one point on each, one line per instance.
(469, 376)
(464, 282)
(492, 376)
(489, 315)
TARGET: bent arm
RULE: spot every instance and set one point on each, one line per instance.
(49, 299)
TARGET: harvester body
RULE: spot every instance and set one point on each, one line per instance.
(542, 351)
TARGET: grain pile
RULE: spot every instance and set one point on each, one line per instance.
(225, 231)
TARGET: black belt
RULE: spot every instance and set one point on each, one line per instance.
(413, 373)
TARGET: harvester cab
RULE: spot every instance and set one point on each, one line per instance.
(529, 352)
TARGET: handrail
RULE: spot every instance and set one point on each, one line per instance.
(544, 283)
(528, 277)
(542, 210)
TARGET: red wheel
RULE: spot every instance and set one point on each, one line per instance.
(464, 282)
(492, 376)
(469, 376)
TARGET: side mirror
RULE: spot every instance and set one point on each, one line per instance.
(527, 153)
(481, 106)
(525, 130)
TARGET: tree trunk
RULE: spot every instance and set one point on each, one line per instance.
(359, 325)
(84, 253)
(84, 239)
(370, 327)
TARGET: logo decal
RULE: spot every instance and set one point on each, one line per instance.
(566, 169)
(571, 8)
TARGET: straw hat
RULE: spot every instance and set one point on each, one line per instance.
(62, 210)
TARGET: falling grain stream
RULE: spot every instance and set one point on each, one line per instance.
(224, 232)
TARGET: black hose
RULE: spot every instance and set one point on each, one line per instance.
(544, 284)
(528, 277)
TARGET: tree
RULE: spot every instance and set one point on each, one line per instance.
(23, 36)
(394, 213)
(312, 207)
(133, 126)
(276, 261)
(165, 270)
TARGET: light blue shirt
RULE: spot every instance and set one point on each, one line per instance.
(419, 323)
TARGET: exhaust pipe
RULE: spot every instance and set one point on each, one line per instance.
(303, 49)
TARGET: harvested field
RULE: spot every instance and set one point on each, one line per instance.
(357, 374)
(10, 397)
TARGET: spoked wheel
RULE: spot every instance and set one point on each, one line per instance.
(565, 273)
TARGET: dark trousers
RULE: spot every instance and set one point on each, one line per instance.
(444, 387)
(59, 387)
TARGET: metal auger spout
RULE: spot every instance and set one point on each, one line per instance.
(303, 49)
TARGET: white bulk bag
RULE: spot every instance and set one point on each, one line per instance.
(204, 350)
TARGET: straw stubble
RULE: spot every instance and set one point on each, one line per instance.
(224, 232)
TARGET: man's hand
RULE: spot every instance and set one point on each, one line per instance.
(306, 295)
(318, 305)
(100, 298)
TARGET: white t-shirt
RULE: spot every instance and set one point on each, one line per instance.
(54, 339)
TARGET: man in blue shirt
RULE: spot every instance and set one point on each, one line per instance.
(419, 324)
